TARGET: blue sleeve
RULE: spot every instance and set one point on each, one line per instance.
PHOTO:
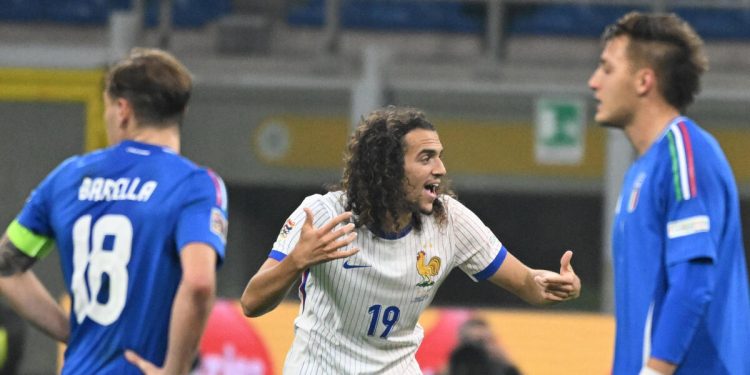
(688, 234)
(204, 216)
(691, 287)
(695, 198)
(493, 266)
(277, 255)
(35, 214)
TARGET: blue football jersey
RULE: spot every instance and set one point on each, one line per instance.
(120, 217)
(679, 202)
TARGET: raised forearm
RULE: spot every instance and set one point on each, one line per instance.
(269, 286)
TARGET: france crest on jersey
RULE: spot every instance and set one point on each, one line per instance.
(120, 217)
(679, 202)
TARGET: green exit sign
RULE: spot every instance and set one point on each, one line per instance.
(559, 131)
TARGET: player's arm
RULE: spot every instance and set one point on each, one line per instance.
(538, 287)
(200, 234)
(26, 293)
(691, 288)
(192, 306)
(190, 311)
(268, 287)
(12, 259)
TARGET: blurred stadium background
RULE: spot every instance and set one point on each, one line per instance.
(279, 83)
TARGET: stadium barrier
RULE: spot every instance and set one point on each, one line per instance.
(538, 342)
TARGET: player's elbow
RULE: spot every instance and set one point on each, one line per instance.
(251, 306)
(254, 304)
(199, 285)
(250, 309)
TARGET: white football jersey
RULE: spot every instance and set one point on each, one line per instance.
(359, 315)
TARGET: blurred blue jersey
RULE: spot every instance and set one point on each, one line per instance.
(679, 203)
(120, 217)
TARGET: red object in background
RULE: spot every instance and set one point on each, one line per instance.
(440, 340)
(230, 346)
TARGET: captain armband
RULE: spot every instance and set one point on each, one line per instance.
(28, 242)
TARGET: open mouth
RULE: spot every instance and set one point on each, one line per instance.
(432, 189)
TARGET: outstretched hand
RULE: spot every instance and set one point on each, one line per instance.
(563, 286)
(324, 244)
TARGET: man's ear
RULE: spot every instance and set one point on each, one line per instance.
(124, 113)
(645, 81)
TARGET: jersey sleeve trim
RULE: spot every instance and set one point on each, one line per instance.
(220, 188)
(493, 266)
(277, 255)
(683, 165)
(28, 242)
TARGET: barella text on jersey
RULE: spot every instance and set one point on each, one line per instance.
(121, 189)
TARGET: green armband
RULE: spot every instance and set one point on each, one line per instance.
(28, 242)
(3, 346)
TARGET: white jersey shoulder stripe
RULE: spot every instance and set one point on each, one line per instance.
(682, 160)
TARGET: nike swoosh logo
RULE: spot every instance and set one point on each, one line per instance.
(350, 266)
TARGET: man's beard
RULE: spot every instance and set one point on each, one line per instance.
(415, 208)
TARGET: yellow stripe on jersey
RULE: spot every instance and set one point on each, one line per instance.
(28, 242)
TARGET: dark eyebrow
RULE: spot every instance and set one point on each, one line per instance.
(428, 151)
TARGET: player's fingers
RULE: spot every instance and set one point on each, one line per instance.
(554, 279)
(327, 227)
(133, 358)
(342, 242)
(553, 297)
(565, 266)
(565, 290)
(560, 288)
(564, 295)
(557, 293)
(308, 218)
(344, 253)
(139, 362)
(338, 233)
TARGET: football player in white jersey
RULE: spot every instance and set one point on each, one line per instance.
(372, 254)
